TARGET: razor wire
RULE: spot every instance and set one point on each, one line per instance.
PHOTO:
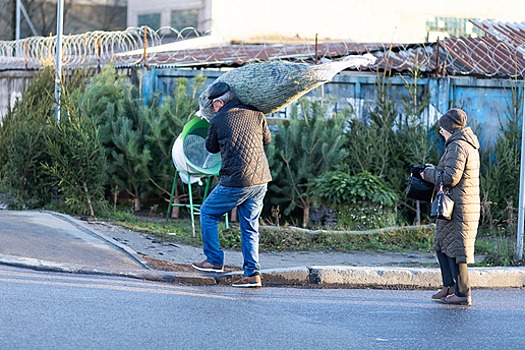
(487, 56)
(97, 47)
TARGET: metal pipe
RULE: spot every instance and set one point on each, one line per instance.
(17, 27)
(521, 205)
(27, 55)
(58, 73)
(316, 49)
(145, 39)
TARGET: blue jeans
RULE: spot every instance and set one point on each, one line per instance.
(221, 200)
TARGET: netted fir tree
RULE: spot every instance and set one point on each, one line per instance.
(22, 149)
(165, 125)
(392, 138)
(121, 119)
(22, 138)
(500, 167)
(130, 157)
(77, 160)
(307, 145)
(368, 139)
(416, 141)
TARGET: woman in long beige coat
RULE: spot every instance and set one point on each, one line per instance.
(458, 169)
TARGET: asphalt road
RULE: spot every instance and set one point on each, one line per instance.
(64, 311)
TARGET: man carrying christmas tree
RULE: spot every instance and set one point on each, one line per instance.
(239, 132)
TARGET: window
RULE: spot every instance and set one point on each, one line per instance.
(151, 20)
(185, 18)
(443, 27)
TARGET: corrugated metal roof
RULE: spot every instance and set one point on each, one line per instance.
(513, 34)
(493, 55)
(237, 55)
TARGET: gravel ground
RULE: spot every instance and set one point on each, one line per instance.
(173, 256)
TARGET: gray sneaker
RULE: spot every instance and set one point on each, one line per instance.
(248, 282)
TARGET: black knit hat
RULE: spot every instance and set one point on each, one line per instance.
(218, 89)
(453, 119)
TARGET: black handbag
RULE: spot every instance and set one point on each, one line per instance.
(442, 205)
(417, 187)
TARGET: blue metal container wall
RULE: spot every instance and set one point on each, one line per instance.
(486, 101)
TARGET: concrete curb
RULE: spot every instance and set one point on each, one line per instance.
(497, 277)
(148, 275)
(383, 277)
(313, 277)
(412, 278)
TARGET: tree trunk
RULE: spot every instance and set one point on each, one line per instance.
(418, 213)
(175, 210)
(88, 199)
(115, 198)
(136, 200)
(306, 215)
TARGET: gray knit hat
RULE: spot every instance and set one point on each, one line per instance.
(453, 119)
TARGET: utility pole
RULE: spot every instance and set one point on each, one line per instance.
(521, 205)
(58, 73)
(17, 20)
(17, 27)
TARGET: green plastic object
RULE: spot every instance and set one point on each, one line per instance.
(193, 162)
(198, 161)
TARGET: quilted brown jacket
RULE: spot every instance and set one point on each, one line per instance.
(240, 133)
(459, 167)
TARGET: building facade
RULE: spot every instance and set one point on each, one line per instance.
(397, 21)
(38, 17)
(168, 13)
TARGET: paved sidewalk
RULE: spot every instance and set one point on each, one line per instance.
(56, 242)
